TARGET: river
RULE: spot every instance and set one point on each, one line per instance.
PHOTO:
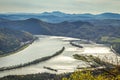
(48, 45)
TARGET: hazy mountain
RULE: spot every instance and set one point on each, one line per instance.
(55, 13)
(108, 16)
(31, 25)
(93, 29)
(56, 16)
(3, 20)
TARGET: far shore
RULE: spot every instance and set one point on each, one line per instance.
(20, 48)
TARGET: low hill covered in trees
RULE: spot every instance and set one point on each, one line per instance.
(11, 40)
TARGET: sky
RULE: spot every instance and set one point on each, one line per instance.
(67, 6)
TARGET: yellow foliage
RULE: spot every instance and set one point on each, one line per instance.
(87, 75)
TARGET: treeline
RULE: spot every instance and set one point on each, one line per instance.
(33, 62)
(76, 45)
(49, 68)
(116, 47)
(40, 76)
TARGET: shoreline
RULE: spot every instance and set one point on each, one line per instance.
(73, 44)
(33, 62)
(20, 48)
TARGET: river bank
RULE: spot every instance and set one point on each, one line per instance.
(46, 46)
(33, 62)
(20, 48)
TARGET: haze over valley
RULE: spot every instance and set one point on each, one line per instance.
(59, 40)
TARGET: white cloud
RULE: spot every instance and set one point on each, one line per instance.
(73, 6)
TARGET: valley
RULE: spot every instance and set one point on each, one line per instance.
(59, 40)
(63, 63)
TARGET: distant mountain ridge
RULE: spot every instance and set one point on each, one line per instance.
(93, 29)
(57, 16)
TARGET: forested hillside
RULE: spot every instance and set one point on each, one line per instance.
(10, 39)
(93, 30)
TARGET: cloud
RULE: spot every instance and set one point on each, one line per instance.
(72, 6)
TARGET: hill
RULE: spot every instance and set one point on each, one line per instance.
(92, 30)
(11, 40)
